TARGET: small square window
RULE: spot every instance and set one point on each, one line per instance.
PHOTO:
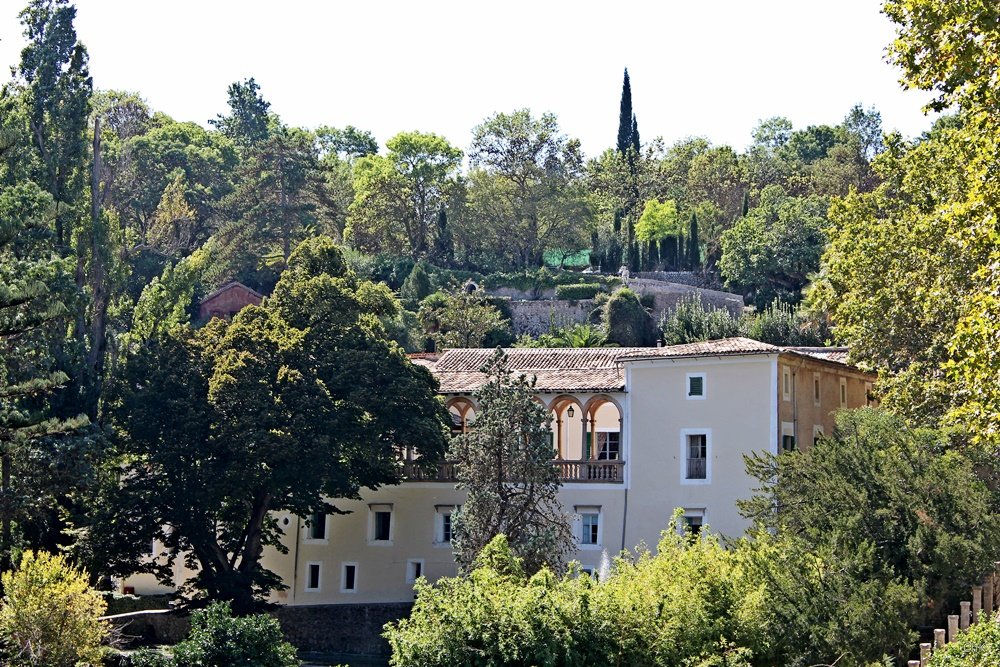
(349, 578)
(788, 443)
(312, 576)
(696, 385)
(693, 523)
(317, 526)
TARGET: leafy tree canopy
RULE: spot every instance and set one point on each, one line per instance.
(215, 425)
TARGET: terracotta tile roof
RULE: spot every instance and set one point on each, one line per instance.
(708, 348)
(837, 355)
(576, 369)
(555, 369)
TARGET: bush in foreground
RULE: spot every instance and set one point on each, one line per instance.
(219, 640)
(979, 647)
(49, 615)
(688, 605)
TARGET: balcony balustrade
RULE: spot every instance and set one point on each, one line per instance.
(607, 472)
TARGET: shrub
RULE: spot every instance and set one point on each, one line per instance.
(688, 605)
(49, 615)
(578, 291)
(690, 322)
(783, 324)
(979, 647)
(626, 321)
(417, 285)
(219, 640)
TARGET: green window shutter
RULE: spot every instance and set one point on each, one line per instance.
(696, 386)
(590, 445)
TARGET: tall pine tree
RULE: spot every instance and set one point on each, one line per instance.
(626, 117)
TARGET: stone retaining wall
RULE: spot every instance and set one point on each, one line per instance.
(340, 629)
(537, 317)
(330, 630)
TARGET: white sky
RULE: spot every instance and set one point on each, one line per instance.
(710, 68)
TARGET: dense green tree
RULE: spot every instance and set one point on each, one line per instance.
(248, 122)
(505, 466)
(773, 250)
(54, 78)
(37, 294)
(525, 192)
(140, 168)
(461, 319)
(398, 196)
(905, 501)
(925, 313)
(902, 264)
(213, 425)
(279, 199)
(348, 143)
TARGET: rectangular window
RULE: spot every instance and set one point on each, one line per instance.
(695, 385)
(317, 526)
(312, 576)
(788, 436)
(414, 570)
(817, 433)
(446, 527)
(444, 522)
(383, 524)
(697, 455)
(693, 520)
(609, 445)
(843, 392)
(786, 383)
(590, 523)
(869, 399)
(816, 390)
(349, 577)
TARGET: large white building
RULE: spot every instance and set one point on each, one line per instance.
(637, 432)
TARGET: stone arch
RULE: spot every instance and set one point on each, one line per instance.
(567, 429)
(602, 428)
(463, 413)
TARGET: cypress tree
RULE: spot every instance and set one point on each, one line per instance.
(444, 245)
(694, 252)
(625, 117)
(635, 135)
